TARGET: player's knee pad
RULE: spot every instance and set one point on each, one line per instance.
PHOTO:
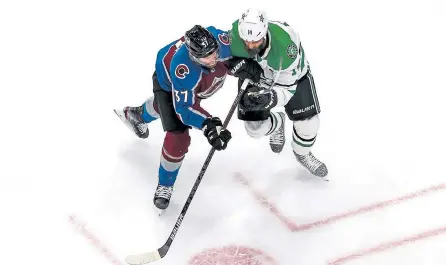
(176, 145)
(257, 129)
(304, 134)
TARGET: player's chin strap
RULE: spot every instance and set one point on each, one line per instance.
(148, 257)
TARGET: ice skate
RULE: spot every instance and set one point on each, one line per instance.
(161, 199)
(313, 165)
(277, 138)
(131, 116)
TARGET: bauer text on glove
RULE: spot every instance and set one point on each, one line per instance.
(245, 68)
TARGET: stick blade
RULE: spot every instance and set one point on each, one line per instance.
(143, 258)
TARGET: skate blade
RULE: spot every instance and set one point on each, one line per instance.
(325, 178)
(158, 211)
(121, 115)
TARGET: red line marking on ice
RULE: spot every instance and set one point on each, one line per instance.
(79, 225)
(370, 208)
(388, 245)
(264, 201)
(292, 226)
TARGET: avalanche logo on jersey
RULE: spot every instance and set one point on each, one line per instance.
(181, 71)
(217, 83)
(223, 37)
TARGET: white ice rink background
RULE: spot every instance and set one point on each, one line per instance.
(76, 185)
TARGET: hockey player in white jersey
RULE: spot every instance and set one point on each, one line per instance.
(286, 81)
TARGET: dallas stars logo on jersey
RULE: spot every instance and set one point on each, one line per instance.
(292, 51)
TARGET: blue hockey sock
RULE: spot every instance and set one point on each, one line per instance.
(168, 170)
(149, 113)
(167, 178)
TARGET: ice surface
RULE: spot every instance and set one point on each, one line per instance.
(76, 186)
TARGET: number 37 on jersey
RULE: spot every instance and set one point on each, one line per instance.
(181, 96)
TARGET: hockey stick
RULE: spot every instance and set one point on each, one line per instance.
(148, 257)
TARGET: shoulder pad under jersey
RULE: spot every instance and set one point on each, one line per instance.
(223, 42)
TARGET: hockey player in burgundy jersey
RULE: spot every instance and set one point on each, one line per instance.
(187, 70)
